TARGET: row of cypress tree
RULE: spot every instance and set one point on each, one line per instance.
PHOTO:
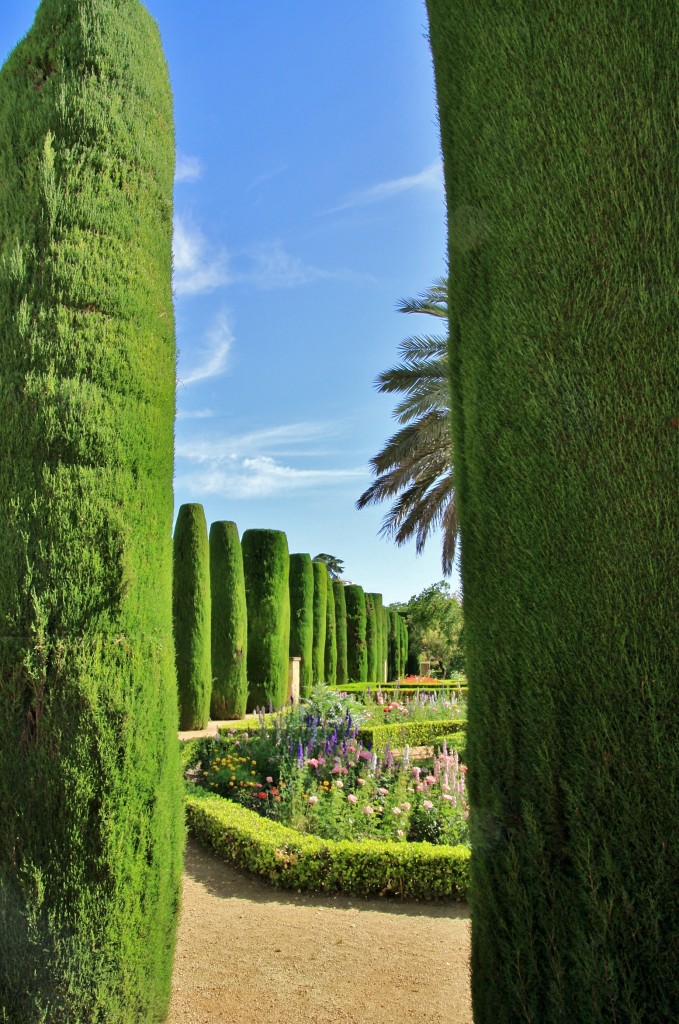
(241, 609)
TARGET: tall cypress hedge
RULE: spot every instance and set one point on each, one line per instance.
(393, 656)
(559, 137)
(302, 618)
(385, 643)
(266, 565)
(91, 820)
(357, 652)
(342, 677)
(330, 638)
(321, 579)
(371, 638)
(402, 646)
(229, 623)
(379, 664)
(191, 616)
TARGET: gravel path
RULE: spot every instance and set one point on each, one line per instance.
(248, 952)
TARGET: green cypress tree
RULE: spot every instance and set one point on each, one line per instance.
(91, 819)
(392, 667)
(229, 623)
(191, 616)
(403, 646)
(561, 190)
(330, 638)
(385, 645)
(341, 632)
(379, 667)
(302, 618)
(266, 565)
(320, 615)
(371, 638)
(357, 653)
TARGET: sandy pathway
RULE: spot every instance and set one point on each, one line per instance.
(248, 952)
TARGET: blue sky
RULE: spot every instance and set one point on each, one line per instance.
(308, 202)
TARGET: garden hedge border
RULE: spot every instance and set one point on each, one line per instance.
(290, 860)
(415, 734)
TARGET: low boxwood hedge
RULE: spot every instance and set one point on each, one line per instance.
(414, 734)
(291, 860)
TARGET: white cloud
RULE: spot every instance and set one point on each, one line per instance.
(195, 414)
(273, 267)
(215, 356)
(187, 168)
(282, 440)
(195, 268)
(267, 176)
(261, 477)
(430, 179)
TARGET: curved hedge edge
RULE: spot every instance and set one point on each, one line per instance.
(415, 734)
(291, 860)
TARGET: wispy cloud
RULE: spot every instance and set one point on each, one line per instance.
(215, 355)
(429, 179)
(251, 465)
(261, 477)
(195, 414)
(282, 440)
(272, 267)
(267, 176)
(195, 268)
(188, 168)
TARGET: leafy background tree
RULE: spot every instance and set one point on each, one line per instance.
(335, 566)
(436, 627)
(415, 465)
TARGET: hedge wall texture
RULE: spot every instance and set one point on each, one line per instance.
(385, 640)
(357, 653)
(191, 616)
(330, 638)
(559, 135)
(302, 618)
(229, 623)
(91, 817)
(341, 678)
(379, 661)
(321, 581)
(266, 565)
(371, 639)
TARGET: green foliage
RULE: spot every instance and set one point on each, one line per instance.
(335, 566)
(561, 199)
(435, 623)
(357, 654)
(229, 623)
(320, 619)
(414, 734)
(291, 860)
(371, 639)
(378, 641)
(330, 638)
(266, 566)
(385, 640)
(340, 632)
(91, 824)
(191, 617)
(393, 659)
(302, 617)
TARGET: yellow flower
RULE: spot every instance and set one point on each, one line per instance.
(205, 773)
(253, 773)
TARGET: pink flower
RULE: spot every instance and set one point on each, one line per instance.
(312, 762)
(400, 832)
(366, 755)
(339, 784)
(419, 787)
(336, 770)
(352, 748)
(361, 782)
(352, 799)
(427, 804)
(382, 791)
(430, 780)
(416, 773)
(406, 806)
(447, 796)
(396, 810)
(313, 799)
(269, 779)
(367, 809)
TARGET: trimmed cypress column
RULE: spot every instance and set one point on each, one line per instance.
(392, 656)
(330, 638)
(229, 623)
(302, 618)
(191, 616)
(266, 566)
(560, 175)
(385, 645)
(91, 809)
(357, 654)
(320, 615)
(371, 638)
(341, 632)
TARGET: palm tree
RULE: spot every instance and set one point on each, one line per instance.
(415, 465)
